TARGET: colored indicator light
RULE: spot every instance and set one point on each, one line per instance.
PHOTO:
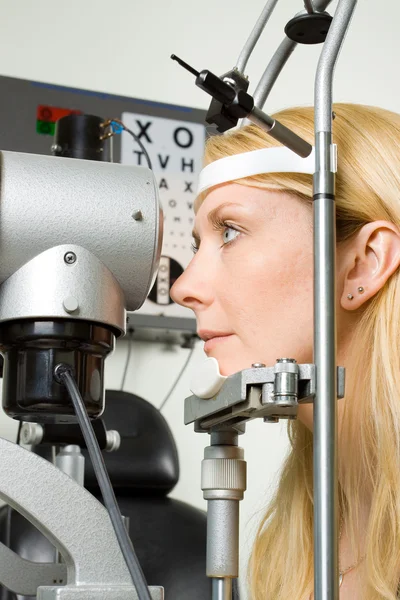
(45, 128)
(53, 113)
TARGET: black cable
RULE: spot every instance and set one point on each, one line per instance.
(122, 126)
(137, 140)
(128, 358)
(19, 433)
(63, 375)
(167, 397)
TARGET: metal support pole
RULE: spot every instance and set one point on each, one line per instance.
(222, 589)
(223, 481)
(71, 461)
(326, 574)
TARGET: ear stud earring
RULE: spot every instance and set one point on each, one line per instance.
(359, 289)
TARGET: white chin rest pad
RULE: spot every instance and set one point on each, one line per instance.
(207, 380)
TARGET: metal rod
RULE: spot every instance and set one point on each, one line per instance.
(309, 6)
(321, 5)
(71, 461)
(222, 537)
(327, 62)
(222, 589)
(273, 71)
(185, 65)
(326, 573)
(223, 481)
(277, 63)
(255, 35)
(281, 133)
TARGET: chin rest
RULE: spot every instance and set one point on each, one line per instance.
(169, 536)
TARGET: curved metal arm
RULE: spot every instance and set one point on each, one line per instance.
(24, 576)
(67, 514)
(277, 63)
(255, 35)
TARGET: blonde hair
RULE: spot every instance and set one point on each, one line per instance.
(367, 190)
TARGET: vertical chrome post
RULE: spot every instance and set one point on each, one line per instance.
(326, 575)
(71, 461)
(223, 481)
(222, 589)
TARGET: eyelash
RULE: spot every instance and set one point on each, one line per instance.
(218, 225)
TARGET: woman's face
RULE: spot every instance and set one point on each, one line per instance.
(250, 284)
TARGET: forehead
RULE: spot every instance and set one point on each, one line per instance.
(256, 204)
(238, 197)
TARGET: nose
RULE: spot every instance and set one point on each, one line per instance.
(194, 289)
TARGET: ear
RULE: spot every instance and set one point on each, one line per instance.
(366, 262)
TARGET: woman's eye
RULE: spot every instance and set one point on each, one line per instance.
(229, 234)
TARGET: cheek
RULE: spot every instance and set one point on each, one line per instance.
(279, 274)
(269, 298)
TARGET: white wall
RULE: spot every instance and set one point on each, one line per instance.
(123, 47)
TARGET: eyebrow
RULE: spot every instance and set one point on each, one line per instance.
(212, 216)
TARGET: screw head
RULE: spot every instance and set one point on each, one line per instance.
(258, 365)
(70, 258)
(137, 215)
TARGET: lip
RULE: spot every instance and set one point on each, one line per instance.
(211, 343)
(213, 338)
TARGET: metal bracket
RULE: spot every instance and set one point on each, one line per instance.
(250, 394)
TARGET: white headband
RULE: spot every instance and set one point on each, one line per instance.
(278, 159)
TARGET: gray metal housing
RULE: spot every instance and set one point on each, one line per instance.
(49, 201)
(49, 288)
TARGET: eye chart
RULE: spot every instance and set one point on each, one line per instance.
(176, 151)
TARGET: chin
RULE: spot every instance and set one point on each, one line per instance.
(232, 354)
(228, 365)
